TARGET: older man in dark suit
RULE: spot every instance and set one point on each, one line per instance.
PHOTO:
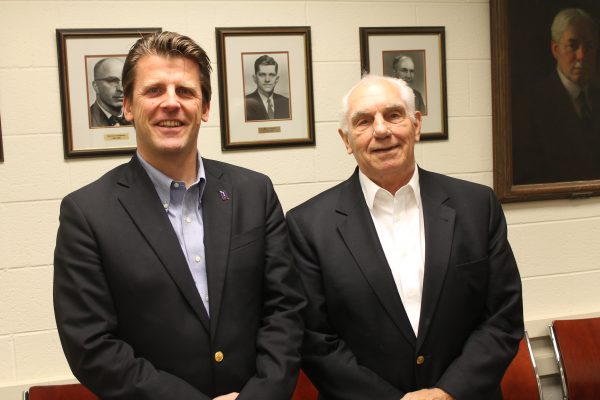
(413, 289)
(557, 129)
(264, 103)
(173, 278)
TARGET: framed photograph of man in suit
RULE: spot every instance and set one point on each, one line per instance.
(90, 63)
(545, 98)
(265, 87)
(416, 55)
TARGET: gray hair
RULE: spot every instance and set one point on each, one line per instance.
(406, 94)
(570, 16)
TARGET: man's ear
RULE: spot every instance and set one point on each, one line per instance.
(344, 137)
(127, 113)
(554, 48)
(417, 125)
(205, 111)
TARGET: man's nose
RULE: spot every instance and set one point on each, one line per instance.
(171, 100)
(380, 128)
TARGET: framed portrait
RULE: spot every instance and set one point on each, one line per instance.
(417, 55)
(90, 62)
(265, 87)
(545, 99)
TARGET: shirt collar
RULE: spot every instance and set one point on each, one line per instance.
(108, 114)
(162, 183)
(370, 188)
(571, 87)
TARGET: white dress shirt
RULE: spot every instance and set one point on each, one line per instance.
(398, 219)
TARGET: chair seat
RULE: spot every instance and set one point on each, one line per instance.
(521, 380)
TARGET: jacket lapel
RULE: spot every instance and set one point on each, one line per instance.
(140, 200)
(356, 227)
(439, 227)
(217, 206)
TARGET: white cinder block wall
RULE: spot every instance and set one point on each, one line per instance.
(555, 242)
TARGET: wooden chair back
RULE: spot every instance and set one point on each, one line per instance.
(74, 391)
(521, 380)
(577, 350)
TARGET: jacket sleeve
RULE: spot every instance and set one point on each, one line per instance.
(327, 359)
(281, 329)
(489, 349)
(87, 323)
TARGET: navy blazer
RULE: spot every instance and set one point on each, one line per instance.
(359, 343)
(129, 316)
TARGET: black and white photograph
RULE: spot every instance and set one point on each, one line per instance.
(546, 99)
(409, 65)
(105, 91)
(90, 62)
(265, 86)
(416, 55)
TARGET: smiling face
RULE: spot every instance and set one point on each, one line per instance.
(107, 85)
(166, 108)
(266, 78)
(405, 69)
(381, 135)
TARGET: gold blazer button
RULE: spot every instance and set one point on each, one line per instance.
(219, 356)
(420, 360)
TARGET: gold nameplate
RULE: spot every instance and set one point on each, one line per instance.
(271, 129)
(116, 136)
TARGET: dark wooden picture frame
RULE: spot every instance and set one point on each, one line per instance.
(87, 131)
(245, 122)
(521, 58)
(383, 48)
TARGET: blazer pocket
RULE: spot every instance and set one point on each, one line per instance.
(477, 266)
(245, 238)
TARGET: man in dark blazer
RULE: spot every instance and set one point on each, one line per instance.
(413, 290)
(173, 278)
(107, 110)
(557, 129)
(264, 103)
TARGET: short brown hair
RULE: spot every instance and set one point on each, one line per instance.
(167, 44)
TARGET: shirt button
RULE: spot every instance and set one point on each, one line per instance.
(166, 205)
(176, 184)
(219, 356)
(206, 298)
(188, 219)
(197, 259)
(420, 360)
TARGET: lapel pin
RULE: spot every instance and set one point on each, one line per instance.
(223, 195)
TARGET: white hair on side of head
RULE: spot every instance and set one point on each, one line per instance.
(569, 16)
(406, 94)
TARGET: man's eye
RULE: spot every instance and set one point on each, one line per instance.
(153, 90)
(184, 91)
(395, 117)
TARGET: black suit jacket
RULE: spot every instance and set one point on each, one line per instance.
(551, 143)
(359, 343)
(98, 119)
(129, 316)
(256, 111)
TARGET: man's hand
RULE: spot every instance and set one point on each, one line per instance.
(230, 396)
(428, 394)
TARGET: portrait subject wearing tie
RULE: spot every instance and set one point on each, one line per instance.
(263, 103)
(173, 277)
(413, 290)
(107, 110)
(557, 129)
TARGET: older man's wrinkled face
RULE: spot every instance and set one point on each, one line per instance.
(381, 135)
(576, 52)
(405, 69)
